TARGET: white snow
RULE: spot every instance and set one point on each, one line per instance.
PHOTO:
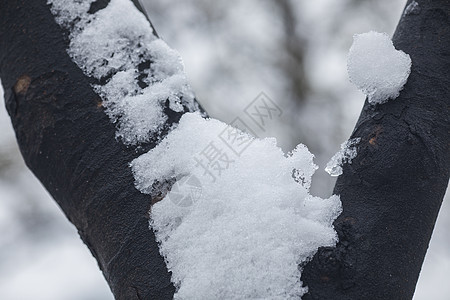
(412, 8)
(111, 44)
(249, 228)
(347, 152)
(68, 11)
(233, 226)
(376, 67)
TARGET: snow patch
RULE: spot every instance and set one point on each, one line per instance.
(252, 225)
(116, 45)
(412, 8)
(69, 12)
(376, 67)
(345, 155)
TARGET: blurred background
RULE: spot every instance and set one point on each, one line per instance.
(293, 51)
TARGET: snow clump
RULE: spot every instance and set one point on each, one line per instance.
(116, 45)
(254, 221)
(238, 221)
(376, 67)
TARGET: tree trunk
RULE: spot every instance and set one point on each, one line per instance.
(391, 193)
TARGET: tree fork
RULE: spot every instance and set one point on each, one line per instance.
(391, 193)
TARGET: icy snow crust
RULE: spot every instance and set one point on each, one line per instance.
(347, 152)
(113, 44)
(246, 230)
(376, 67)
(412, 8)
(245, 237)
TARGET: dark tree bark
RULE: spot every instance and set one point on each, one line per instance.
(69, 143)
(391, 193)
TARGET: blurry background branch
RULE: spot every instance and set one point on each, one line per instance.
(294, 47)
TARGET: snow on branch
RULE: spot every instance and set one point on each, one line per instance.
(247, 230)
(138, 74)
(242, 233)
(376, 67)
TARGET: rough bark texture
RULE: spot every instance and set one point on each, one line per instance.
(69, 143)
(392, 191)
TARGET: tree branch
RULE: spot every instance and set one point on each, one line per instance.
(69, 143)
(392, 191)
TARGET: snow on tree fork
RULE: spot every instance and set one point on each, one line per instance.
(392, 191)
(295, 223)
